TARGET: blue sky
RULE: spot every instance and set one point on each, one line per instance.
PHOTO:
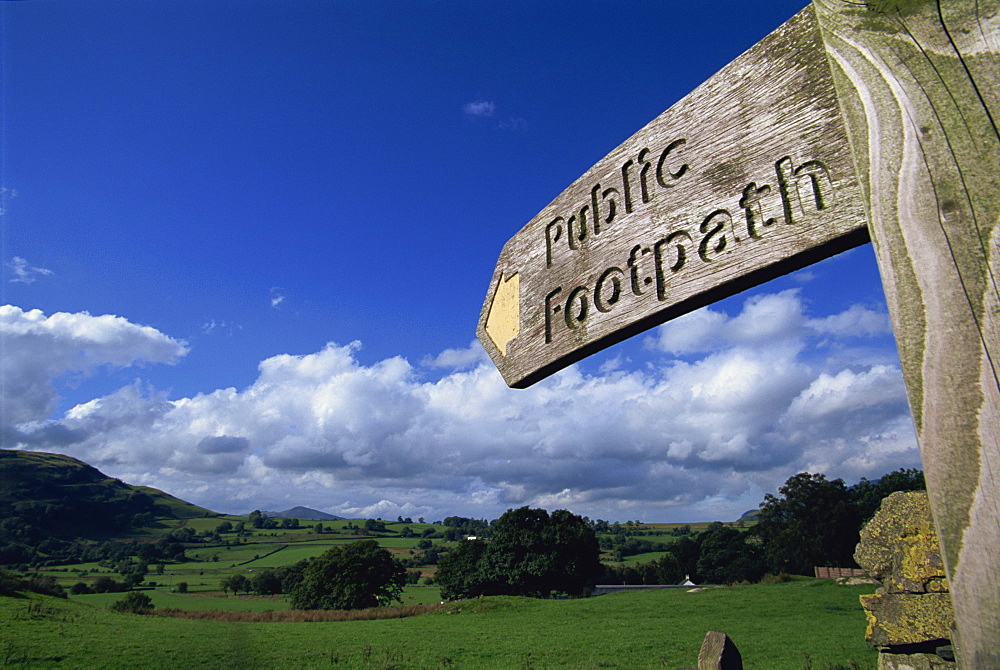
(245, 246)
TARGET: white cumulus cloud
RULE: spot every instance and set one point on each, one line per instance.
(38, 349)
(704, 436)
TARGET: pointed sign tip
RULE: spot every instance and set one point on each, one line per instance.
(503, 322)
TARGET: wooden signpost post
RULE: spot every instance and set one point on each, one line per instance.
(853, 121)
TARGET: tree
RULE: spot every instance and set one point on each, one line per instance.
(530, 554)
(134, 601)
(668, 570)
(105, 584)
(458, 572)
(80, 588)
(726, 557)
(687, 549)
(811, 522)
(290, 575)
(266, 583)
(236, 583)
(351, 576)
(868, 495)
(374, 525)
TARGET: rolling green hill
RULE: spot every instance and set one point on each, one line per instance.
(48, 500)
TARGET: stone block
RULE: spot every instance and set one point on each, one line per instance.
(718, 652)
(901, 618)
(899, 546)
(914, 662)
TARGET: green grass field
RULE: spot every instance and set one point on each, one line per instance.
(208, 565)
(638, 559)
(800, 624)
(208, 597)
(293, 553)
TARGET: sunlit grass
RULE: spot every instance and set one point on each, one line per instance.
(792, 625)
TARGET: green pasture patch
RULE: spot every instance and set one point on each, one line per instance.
(229, 554)
(91, 567)
(192, 601)
(416, 526)
(420, 595)
(407, 542)
(65, 572)
(197, 583)
(201, 598)
(190, 568)
(203, 524)
(291, 554)
(797, 624)
(638, 559)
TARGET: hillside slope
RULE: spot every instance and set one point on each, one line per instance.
(47, 499)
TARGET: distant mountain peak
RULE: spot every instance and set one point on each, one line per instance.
(300, 512)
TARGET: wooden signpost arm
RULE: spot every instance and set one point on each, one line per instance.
(918, 82)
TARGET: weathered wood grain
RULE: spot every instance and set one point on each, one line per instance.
(919, 83)
(746, 178)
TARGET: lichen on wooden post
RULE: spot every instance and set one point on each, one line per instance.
(918, 82)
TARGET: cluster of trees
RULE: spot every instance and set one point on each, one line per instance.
(350, 576)
(52, 550)
(812, 521)
(460, 527)
(719, 555)
(267, 582)
(815, 521)
(103, 584)
(427, 553)
(11, 583)
(134, 602)
(529, 553)
(259, 520)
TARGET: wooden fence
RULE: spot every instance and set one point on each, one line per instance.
(833, 573)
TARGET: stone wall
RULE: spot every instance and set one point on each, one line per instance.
(910, 617)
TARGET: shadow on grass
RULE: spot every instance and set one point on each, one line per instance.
(298, 616)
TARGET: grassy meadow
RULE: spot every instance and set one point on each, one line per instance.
(812, 624)
(805, 623)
